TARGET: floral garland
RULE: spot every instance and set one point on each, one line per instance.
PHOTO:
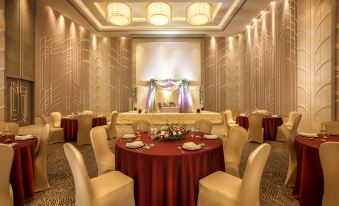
(170, 133)
(153, 82)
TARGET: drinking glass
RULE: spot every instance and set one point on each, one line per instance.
(138, 135)
(322, 130)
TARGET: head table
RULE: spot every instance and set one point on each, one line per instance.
(166, 174)
(22, 171)
(309, 184)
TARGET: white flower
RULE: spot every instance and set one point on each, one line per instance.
(179, 133)
(174, 133)
(162, 132)
(166, 135)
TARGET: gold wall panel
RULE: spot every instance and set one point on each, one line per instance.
(337, 64)
(2, 61)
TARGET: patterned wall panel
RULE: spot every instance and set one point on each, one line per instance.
(337, 64)
(224, 74)
(99, 74)
(270, 60)
(314, 87)
(2, 61)
(121, 73)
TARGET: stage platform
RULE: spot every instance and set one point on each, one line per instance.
(170, 118)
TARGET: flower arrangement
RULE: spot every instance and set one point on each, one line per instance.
(170, 132)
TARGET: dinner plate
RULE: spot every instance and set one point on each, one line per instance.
(211, 136)
(128, 136)
(197, 147)
(133, 145)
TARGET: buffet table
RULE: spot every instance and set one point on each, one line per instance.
(166, 174)
(22, 172)
(309, 184)
(270, 125)
(70, 125)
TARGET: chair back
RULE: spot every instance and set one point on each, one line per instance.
(44, 120)
(204, 125)
(83, 189)
(295, 126)
(229, 116)
(112, 127)
(141, 125)
(329, 154)
(249, 191)
(226, 125)
(102, 153)
(84, 128)
(255, 132)
(236, 139)
(40, 166)
(12, 127)
(56, 119)
(331, 127)
(6, 160)
(291, 118)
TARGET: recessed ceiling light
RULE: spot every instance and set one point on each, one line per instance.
(119, 14)
(159, 13)
(199, 13)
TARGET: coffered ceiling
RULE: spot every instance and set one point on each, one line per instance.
(228, 16)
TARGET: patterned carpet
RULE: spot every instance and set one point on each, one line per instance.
(61, 192)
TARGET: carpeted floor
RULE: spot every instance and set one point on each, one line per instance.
(61, 192)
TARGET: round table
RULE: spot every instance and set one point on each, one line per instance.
(70, 125)
(165, 174)
(22, 172)
(309, 184)
(270, 125)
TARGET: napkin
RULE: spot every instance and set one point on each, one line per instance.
(308, 134)
(211, 136)
(135, 144)
(191, 146)
(23, 137)
(128, 136)
(274, 115)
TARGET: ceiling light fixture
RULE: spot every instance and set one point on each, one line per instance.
(199, 13)
(119, 14)
(159, 13)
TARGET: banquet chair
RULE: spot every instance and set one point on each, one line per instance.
(11, 127)
(227, 126)
(141, 125)
(222, 189)
(236, 139)
(331, 127)
(84, 128)
(104, 157)
(56, 134)
(285, 131)
(263, 112)
(291, 119)
(229, 117)
(255, 130)
(40, 169)
(56, 119)
(204, 125)
(329, 153)
(6, 160)
(111, 129)
(112, 188)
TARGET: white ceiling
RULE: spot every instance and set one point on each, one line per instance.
(229, 17)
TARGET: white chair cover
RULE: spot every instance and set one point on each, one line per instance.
(56, 134)
(111, 129)
(204, 125)
(13, 128)
(112, 188)
(331, 127)
(104, 157)
(329, 156)
(229, 117)
(255, 130)
(236, 139)
(222, 189)
(40, 169)
(6, 160)
(84, 128)
(56, 119)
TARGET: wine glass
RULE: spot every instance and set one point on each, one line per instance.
(322, 130)
(138, 134)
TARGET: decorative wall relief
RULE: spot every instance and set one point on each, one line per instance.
(337, 65)
(2, 61)
(315, 62)
(270, 59)
(224, 74)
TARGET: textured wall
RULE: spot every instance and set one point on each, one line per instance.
(224, 74)
(270, 60)
(76, 70)
(337, 63)
(2, 61)
(315, 62)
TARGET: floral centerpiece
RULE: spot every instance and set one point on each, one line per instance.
(170, 132)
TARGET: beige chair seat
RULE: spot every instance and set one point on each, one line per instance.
(214, 186)
(111, 188)
(56, 135)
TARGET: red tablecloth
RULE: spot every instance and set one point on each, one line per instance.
(163, 175)
(22, 172)
(270, 125)
(70, 126)
(309, 184)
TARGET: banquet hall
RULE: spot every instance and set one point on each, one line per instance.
(169, 103)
